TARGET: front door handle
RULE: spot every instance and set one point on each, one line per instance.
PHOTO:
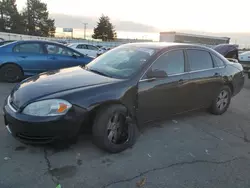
(23, 56)
(181, 81)
(53, 58)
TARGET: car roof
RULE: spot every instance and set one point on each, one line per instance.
(39, 41)
(163, 45)
(81, 43)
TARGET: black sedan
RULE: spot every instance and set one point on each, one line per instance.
(119, 91)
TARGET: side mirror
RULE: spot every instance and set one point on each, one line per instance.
(156, 74)
(74, 56)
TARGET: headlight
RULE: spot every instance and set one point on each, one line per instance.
(51, 107)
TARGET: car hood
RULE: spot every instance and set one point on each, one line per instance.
(53, 82)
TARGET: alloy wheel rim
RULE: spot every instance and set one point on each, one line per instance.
(10, 75)
(222, 100)
(117, 129)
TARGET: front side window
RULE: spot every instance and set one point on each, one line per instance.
(171, 62)
(28, 48)
(121, 62)
(81, 46)
(58, 50)
(199, 60)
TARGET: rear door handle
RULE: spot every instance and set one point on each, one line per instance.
(181, 81)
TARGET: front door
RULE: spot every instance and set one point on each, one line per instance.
(92, 50)
(60, 57)
(160, 97)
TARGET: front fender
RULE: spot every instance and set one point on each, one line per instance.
(92, 97)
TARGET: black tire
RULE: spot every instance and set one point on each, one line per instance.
(10, 73)
(248, 75)
(101, 124)
(218, 109)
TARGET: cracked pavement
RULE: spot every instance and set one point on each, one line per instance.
(191, 150)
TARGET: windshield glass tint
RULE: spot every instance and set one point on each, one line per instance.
(121, 62)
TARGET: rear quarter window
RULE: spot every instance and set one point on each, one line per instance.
(218, 61)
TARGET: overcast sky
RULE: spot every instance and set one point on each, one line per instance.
(203, 15)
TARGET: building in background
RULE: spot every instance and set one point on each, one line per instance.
(124, 40)
(192, 38)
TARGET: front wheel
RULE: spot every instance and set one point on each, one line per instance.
(10, 73)
(112, 131)
(222, 101)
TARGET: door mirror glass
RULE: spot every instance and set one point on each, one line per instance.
(156, 74)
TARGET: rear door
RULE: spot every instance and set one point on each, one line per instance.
(206, 76)
(31, 57)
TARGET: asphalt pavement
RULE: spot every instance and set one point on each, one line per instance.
(187, 151)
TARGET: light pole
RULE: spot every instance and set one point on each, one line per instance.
(85, 26)
(28, 11)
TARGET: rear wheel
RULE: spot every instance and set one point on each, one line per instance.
(10, 73)
(112, 131)
(222, 101)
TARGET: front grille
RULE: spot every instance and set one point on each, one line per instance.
(35, 139)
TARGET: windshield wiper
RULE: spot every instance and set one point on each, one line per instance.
(98, 72)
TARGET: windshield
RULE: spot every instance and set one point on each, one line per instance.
(121, 62)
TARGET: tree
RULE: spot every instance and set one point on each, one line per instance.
(37, 19)
(10, 19)
(104, 30)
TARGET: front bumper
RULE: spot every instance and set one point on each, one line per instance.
(31, 129)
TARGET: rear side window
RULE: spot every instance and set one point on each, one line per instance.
(28, 48)
(218, 62)
(199, 60)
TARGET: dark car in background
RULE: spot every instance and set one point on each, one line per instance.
(119, 91)
(27, 58)
(231, 52)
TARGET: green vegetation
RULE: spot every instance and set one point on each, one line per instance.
(33, 20)
(104, 30)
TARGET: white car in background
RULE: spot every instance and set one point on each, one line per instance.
(102, 50)
(84, 48)
(244, 56)
(244, 59)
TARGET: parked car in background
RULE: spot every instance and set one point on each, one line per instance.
(244, 59)
(84, 48)
(229, 51)
(27, 58)
(120, 90)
